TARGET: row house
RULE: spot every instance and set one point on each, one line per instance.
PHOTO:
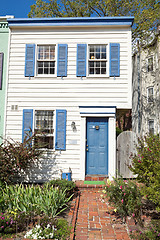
(67, 79)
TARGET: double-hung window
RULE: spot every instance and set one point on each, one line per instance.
(44, 129)
(150, 64)
(46, 59)
(97, 62)
(151, 126)
(150, 95)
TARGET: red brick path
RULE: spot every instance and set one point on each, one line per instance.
(94, 220)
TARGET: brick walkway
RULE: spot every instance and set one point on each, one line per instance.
(94, 220)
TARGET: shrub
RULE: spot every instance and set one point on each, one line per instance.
(151, 233)
(13, 222)
(63, 185)
(125, 197)
(146, 164)
(17, 157)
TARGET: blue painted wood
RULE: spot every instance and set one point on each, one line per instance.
(97, 141)
(27, 123)
(71, 21)
(30, 60)
(62, 60)
(60, 140)
(81, 60)
(114, 65)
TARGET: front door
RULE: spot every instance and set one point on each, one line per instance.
(97, 146)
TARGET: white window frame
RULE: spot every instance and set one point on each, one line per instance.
(55, 60)
(150, 129)
(107, 60)
(148, 70)
(149, 96)
(54, 125)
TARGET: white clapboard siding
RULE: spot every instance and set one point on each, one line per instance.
(51, 92)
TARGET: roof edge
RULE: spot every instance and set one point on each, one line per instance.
(72, 21)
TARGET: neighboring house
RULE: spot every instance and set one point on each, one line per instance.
(67, 78)
(4, 34)
(146, 88)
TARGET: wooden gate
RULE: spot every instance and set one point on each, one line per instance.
(126, 143)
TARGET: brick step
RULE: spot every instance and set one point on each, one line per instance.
(95, 177)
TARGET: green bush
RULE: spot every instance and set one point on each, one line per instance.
(151, 233)
(146, 164)
(63, 185)
(125, 197)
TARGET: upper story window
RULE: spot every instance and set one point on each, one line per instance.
(97, 59)
(150, 64)
(44, 129)
(46, 59)
(150, 95)
(151, 126)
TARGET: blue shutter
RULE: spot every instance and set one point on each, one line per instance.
(81, 60)
(29, 60)
(62, 60)
(114, 59)
(27, 123)
(1, 69)
(60, 142)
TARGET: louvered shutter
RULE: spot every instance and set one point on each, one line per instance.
(114, 59)
(81, 60)
(60, 142)
(62, 60)
(1, 69)
(29, 60)
(27, 123)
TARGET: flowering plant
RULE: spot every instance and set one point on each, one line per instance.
(146, 164)
(39, 232)
(125, 197)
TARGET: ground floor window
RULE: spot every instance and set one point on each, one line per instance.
(44, 129)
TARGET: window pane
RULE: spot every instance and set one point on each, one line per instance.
(97, 64)
(91, 48)
(103, 64)
(91, 64)
(91, 71)
(103, 49)
(97, 70)
(40, 70)
(103, 55)
(103, 70)
(97, 55)
(98, 49)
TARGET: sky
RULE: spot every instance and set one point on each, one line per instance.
(18, 8)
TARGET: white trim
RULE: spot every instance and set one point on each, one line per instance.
(83, 148)
(36, 60)
(107, 61)
(7, 80)
(112, 148)
(111, 139)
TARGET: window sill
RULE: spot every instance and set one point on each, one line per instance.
(97, 76)
(46, 76)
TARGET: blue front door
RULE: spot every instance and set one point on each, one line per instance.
(97, 146)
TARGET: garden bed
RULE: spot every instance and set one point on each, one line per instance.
(51, 211)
